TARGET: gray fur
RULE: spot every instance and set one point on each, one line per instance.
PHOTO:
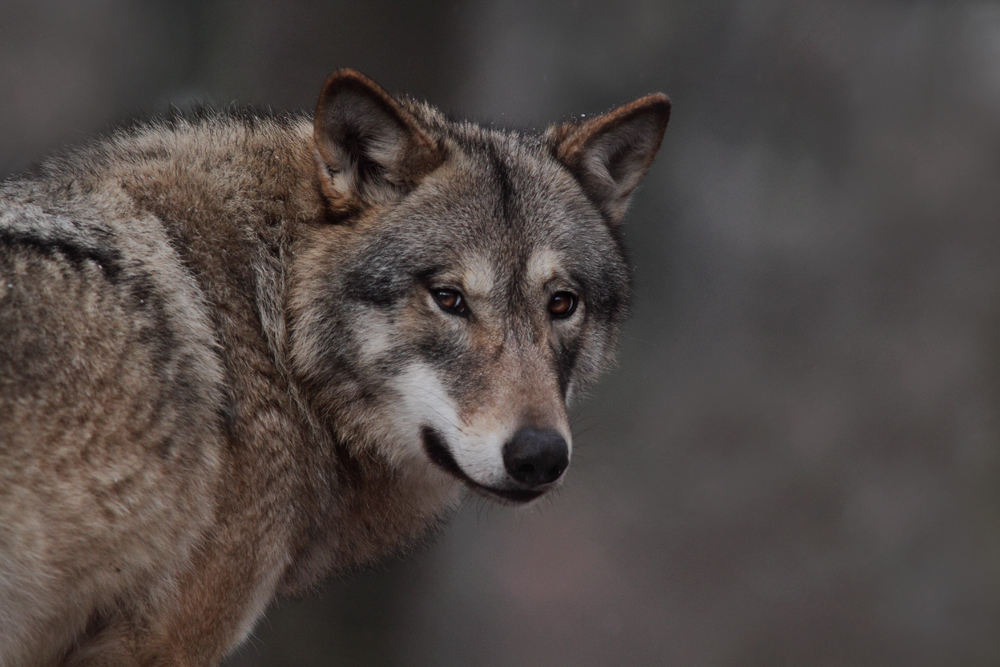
(224, 373)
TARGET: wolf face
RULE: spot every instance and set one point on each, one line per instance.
(469, 283)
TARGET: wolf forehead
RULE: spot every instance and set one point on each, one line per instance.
(500, 201)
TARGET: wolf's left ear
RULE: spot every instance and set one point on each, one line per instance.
(610, 153)
(369, 149)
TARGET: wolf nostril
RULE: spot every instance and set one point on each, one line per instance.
(524, 470)
(536, 456)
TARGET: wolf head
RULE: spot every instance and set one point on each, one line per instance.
(469, 281)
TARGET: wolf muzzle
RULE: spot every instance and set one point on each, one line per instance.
(533, 458)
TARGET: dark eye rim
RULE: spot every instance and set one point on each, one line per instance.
(574, 300)
(460, 307)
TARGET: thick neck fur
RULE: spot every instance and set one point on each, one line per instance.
(235, 199)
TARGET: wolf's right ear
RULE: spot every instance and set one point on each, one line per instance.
(368, 148)
(610, 153)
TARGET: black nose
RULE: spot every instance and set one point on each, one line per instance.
(536, 456)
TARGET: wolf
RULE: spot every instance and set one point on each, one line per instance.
(240, 353)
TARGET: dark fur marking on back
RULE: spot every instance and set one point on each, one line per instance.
(74, 252)
(156, 331)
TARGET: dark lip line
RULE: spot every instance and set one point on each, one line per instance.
(441, 456)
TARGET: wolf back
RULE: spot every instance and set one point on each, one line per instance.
(240, 353)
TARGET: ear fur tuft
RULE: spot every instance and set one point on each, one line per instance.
(610, 153)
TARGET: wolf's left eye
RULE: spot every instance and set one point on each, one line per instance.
(562, 305)
(450, 300)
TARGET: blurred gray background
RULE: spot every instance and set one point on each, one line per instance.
(796, 462)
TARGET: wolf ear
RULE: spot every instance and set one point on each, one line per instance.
(368, 148)
(610, 153)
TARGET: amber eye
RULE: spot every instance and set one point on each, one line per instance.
(451, 301)
(562, 305)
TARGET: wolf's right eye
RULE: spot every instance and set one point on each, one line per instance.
(451, 301)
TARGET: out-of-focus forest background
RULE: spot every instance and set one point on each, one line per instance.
(797, 461)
